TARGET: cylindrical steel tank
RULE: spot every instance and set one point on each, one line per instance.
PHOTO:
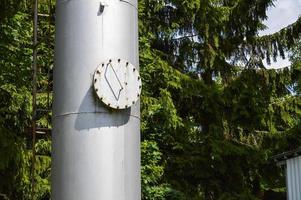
(96, 150)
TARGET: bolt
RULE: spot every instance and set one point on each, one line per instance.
(118, 60)
(134, 69)
(117, 107)
(95, 80)
(103, 65)
(126, 106)
(98, 72)
(133, 102)
(110, 60)
(138, 77)
(96, 89)
(140, 86)
(127, 63)
(101, 8)
(126, 83)
(138, 95)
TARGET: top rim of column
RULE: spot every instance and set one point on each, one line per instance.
(133, 3)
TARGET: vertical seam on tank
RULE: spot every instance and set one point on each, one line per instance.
(123, 162)
(102, 31)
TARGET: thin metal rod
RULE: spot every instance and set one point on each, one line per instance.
(49, 67)
(49, 46)
(34, 95)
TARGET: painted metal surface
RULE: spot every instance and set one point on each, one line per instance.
(293, 176)
(96, 151)
(117, 83)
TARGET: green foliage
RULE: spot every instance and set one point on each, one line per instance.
(152, 172)
(275, 45)
(216, 115)
(14, 121)
(15, 105)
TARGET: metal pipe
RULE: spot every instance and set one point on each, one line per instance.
(95, 151)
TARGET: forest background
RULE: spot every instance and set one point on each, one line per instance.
(212, 114)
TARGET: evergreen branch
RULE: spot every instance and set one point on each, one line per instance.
(185, 37)
(277, 43)
(4, 196)
(289, 34)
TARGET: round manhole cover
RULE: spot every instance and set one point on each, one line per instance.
(117, 83)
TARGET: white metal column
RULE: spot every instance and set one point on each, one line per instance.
(96, 151)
